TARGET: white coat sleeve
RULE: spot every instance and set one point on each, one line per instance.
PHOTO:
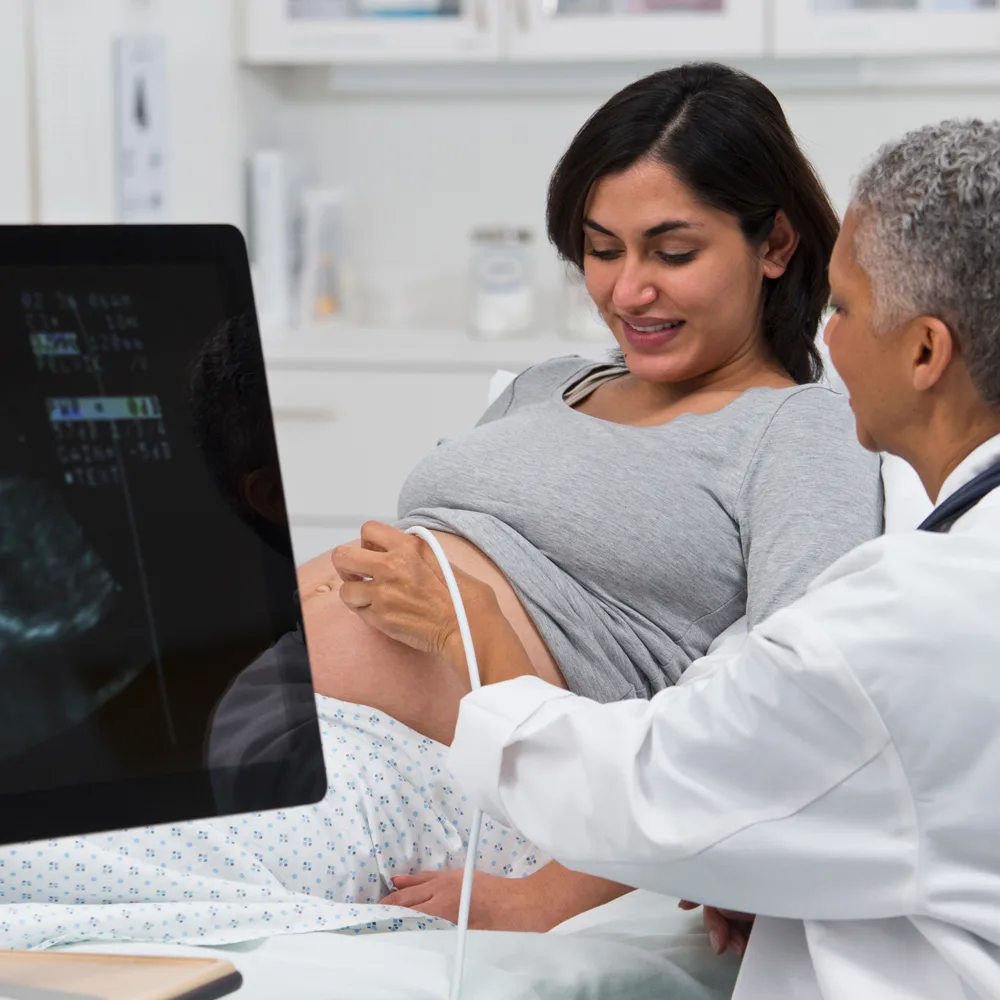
(753, 789)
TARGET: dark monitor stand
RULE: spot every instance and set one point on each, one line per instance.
(142, 575)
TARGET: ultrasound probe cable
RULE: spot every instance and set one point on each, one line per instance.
(477, 816)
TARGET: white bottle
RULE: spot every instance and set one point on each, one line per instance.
(271, 223)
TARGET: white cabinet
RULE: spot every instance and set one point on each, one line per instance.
(345, 32)
(348, 439)
(656, 29)
(886, 27)
(15, 151)
(369, 31)
(360, 31)
(355, 412)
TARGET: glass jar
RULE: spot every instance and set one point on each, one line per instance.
(501, 283)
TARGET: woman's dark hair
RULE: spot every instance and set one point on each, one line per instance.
(725, 136)
(231, 418)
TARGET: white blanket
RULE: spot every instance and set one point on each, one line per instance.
(640, 947)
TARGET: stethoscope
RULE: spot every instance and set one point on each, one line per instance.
(962, 501)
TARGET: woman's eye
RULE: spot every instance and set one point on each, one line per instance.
(677, 258)
(603, 254)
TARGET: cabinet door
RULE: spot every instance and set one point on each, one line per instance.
(15, 99)
(624, 29)
(886, 27)
(348, 440)
(369, 31)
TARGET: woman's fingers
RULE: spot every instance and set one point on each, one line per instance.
(405, 881)
(413, 898)
(686, 904)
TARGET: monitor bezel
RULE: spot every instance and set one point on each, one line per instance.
(69, 810)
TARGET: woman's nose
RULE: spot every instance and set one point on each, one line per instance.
(633, 289)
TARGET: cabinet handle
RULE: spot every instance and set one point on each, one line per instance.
(530, 11)
(524, 14)
(303, 414)
(481, 15)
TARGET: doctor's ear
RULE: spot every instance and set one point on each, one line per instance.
(777, 250)
(933, 347)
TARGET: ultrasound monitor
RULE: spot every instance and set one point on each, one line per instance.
(152, 662)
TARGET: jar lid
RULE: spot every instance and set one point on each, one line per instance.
(501, 234)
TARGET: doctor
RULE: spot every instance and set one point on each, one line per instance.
(840, 777)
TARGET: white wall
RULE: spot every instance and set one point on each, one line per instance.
(15, 156)
(75, 124)
(424, 169)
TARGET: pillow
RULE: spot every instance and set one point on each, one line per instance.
(501, 379)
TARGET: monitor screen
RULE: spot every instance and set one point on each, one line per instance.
(152, 662)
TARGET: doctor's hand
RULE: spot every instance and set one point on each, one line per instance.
(393, 583)
(726, 928)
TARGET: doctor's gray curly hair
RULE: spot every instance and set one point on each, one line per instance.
(928, 236)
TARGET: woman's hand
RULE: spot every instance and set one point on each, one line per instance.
(393, 582)
(726, 928)
(498, 904)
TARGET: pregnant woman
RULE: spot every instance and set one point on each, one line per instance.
(624, 514)
(627, 513)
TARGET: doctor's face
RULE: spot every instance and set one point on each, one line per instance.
(868, 364)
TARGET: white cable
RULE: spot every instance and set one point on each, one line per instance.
(465, 901)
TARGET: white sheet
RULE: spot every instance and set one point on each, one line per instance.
(640, 947)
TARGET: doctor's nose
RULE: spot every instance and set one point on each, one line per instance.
(828, 327)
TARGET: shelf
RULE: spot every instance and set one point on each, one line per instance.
(358, 349)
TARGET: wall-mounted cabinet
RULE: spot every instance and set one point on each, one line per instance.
(654, 29)
(346, 32)
(804, 28)
(300, 32)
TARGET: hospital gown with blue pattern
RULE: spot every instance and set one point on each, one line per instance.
(392, 807)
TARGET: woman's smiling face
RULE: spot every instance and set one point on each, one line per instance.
(675, 280)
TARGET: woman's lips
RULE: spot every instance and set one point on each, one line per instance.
(646, 339)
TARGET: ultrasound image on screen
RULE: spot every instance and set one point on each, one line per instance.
(136, 579)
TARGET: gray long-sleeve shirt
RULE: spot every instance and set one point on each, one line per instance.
(631, 548)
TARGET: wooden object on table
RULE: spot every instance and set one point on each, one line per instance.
(42, 975)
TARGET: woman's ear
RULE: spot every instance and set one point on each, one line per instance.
(263, 495)
(780, 245)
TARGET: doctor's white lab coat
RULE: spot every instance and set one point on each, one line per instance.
(840, 776)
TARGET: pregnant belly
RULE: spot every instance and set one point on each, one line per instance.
(465, 556)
